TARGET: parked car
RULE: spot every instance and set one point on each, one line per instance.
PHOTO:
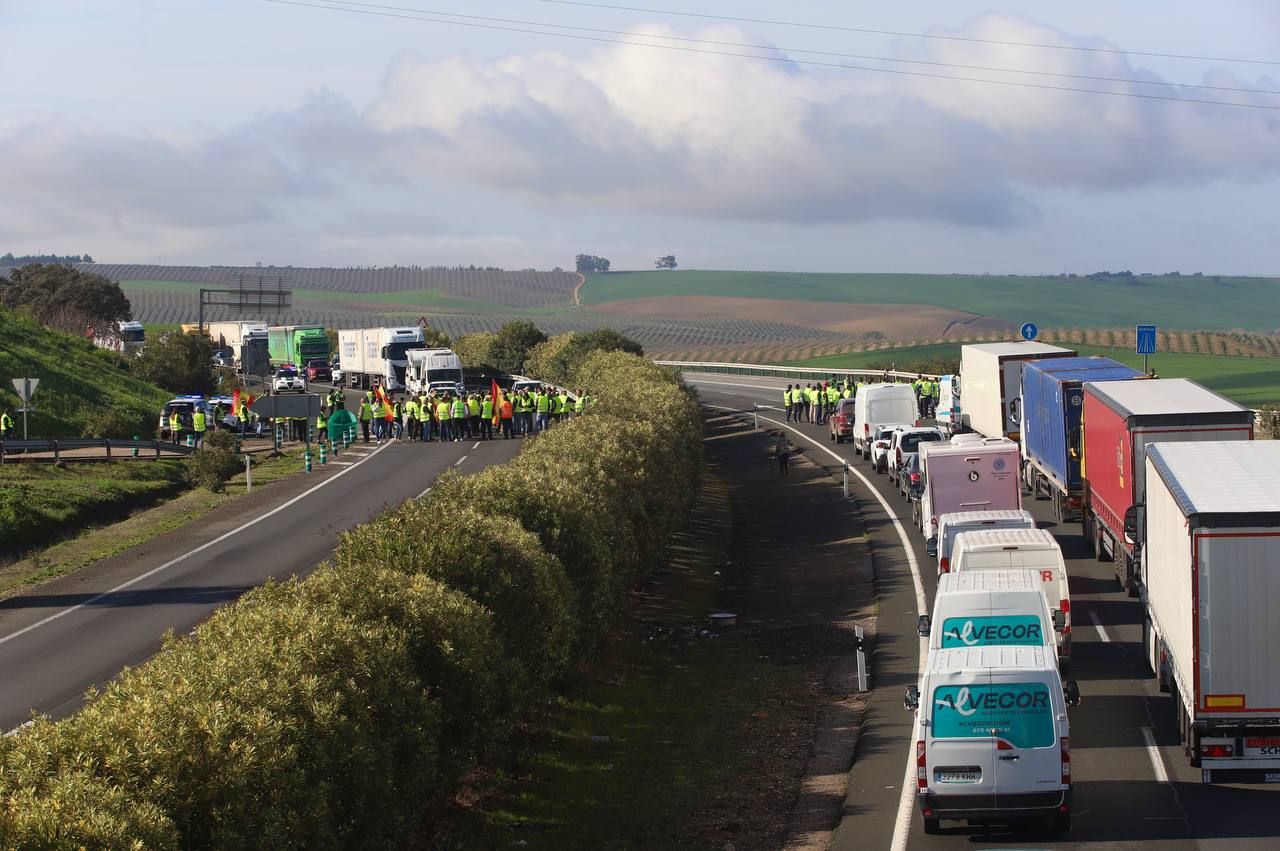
(319, 370)
(841, 422)
(906, 442)
(881, 439)
(288, 378)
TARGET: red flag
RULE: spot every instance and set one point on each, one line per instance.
(235, 402)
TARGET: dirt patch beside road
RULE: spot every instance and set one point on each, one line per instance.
(894, 321)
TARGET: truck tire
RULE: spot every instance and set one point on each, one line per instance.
(1130, 571)
(931, 825)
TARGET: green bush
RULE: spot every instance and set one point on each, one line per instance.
(215, 462)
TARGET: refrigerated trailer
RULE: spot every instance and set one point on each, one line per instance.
(1120, 419)
(1210, 534)
(371, 356)
(247, 342)
(991, 375)
(1052, 404)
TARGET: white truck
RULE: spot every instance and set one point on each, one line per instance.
(371, 356)
(1210, 558)
(434, 369)
(247, 342)
(991, 374)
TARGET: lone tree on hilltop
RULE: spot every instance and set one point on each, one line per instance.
(589, 263)
(65, 298)
(668, 262)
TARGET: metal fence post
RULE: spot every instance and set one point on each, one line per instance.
(248, 475)
(846, 479)
(756, 414)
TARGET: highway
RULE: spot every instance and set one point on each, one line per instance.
(80, 630)
(1132, 782)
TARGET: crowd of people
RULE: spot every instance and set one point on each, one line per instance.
(816, 401)
(456, 416)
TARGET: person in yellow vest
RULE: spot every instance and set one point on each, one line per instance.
(564, 404)
(198, 425)
(542, 403)
(242, 417)
(459, 418)
(379, 420)
(580, 404)
(411, 418)
(366, 417)
(786, 402)
(322, 430)
(442, 416)
(175, 426)
(486, 417)
(473, 416)
(6, 426)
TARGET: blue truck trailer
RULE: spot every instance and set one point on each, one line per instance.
(1052, 430)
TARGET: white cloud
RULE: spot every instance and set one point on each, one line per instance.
(631, 129)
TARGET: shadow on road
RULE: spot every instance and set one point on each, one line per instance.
(187, 595)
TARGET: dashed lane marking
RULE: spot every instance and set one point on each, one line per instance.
(459, 461)
(1102, 632)
(476, 445)
(1153, 752)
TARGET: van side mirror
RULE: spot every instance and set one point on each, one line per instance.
(1059, 620)
(931, 546)
(923, 624)
(911, 700)
(1133, 522)
(1071, 691)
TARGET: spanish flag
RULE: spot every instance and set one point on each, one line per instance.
(498, 399)
(388, 410)
(235, 402)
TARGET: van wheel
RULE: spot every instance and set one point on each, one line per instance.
(1060, 823)
(931, 826)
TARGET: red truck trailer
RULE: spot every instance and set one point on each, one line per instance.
(1120, 419)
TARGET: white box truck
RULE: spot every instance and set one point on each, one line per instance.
(434, 369)
(993, 742)
(1210, 557)
(967, 473)
(991, 375)
(247, 342)
(369, 356)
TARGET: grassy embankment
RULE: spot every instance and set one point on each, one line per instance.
(1250, 381)
(1185, 302)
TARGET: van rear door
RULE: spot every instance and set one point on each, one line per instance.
(961, 752)
(1028, 754)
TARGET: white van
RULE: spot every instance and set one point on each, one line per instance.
(992, 739)
(948, 416)
(878, 404)
(1021, 549)
(950, 525)
(968, 473)
(990, 608)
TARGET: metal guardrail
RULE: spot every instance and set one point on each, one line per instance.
(118, 446)
(802, 373)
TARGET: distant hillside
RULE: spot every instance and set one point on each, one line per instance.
(83, 391)
(514, 289)
(1187, 302)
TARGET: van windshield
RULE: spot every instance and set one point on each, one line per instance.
(993, 631)
(1019, 713)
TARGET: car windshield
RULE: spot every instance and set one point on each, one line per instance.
(318, 364)
(910, 442)
(287, 373)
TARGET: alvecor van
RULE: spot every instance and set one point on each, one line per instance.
(992, 739)
(1021, 549)
(991, 608)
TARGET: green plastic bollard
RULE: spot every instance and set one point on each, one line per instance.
(306, 460)
(191, 440)
(324, 455)
(135, 446)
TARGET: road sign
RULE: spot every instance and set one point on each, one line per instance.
(1146, 339)
(25, 387)
(1029, 331)
(289, 406)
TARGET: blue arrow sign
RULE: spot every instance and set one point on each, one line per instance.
(1146, 339)
(1029, 331)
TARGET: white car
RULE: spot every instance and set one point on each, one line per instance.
(881, 440)
(287, 378)
(906, 442)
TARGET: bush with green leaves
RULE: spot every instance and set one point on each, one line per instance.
(215, 462)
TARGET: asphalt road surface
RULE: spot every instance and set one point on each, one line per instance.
(81, 630)
(1133, 783)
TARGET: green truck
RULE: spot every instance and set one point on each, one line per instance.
(297, 344)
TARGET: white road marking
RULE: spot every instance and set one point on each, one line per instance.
(1153, 752)
(344, 463)
(477, 445)
(459, 461)
(168, 564)
(906, 803)
(1102, 633)
(424, 493)
(18, 729)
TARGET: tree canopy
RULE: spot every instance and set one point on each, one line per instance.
(589, 263)
(182, 363)
(512, 344)
(66, 298)
(667, 262)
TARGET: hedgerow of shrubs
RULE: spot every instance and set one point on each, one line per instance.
(340, 710)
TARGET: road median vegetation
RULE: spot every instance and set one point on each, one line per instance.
(343, 710)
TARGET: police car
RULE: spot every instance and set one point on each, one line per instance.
(288, 378)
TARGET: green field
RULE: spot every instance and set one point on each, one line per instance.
(1250, 381)
(1184, 303)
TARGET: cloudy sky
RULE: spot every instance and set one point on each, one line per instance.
(235, 131)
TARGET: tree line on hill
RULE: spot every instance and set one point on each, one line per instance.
(23, 259)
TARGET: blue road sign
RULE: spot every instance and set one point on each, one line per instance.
(1029, 331)
(1146, 339)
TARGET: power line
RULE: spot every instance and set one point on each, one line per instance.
(750, 46)
(868, 31)
(776, 59)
